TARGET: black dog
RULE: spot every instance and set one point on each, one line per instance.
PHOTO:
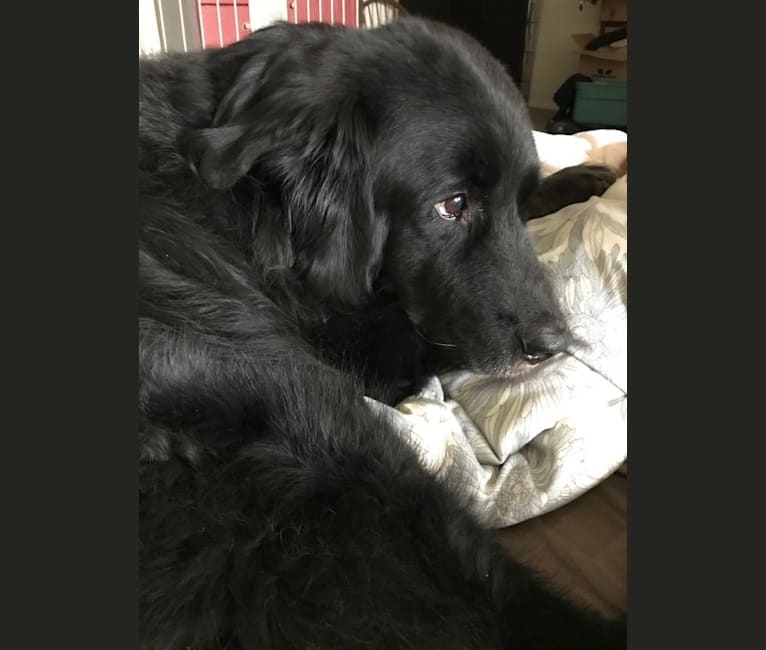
(327, 213)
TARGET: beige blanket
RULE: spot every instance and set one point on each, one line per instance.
(517, 448)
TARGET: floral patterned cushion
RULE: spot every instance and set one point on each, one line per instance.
(519, 447)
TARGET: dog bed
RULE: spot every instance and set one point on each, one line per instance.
(519, 447)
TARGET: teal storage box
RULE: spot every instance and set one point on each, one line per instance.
(601, 102)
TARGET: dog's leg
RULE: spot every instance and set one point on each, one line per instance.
(569, 185)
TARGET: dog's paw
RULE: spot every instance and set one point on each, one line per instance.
(602, 177)
(589, 179)
(570, 185)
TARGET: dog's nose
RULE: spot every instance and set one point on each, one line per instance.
(544, 343)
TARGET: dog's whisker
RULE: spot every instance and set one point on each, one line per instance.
(590, 367)
(425, 338)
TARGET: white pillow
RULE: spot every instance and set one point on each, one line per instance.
(584, 248)
(519, 447)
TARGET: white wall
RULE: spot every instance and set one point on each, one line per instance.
(148, 30)
(265, 12)
(555, 52)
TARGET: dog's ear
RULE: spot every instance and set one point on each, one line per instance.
(223, 155)
(328, 192)
(247, 75)
(312, 138)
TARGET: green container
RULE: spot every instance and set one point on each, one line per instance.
(601, 102)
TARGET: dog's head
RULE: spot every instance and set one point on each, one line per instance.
(402, 156)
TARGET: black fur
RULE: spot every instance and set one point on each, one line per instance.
(291, 261)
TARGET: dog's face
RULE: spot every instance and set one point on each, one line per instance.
(404, 155)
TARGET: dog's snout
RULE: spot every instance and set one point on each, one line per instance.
(545, 342)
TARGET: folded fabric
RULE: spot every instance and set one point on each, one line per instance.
(519, 447)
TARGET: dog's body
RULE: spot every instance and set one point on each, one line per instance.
(329, 213)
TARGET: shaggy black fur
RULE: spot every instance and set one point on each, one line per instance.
(294, 255)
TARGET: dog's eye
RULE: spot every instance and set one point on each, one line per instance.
(452, 208)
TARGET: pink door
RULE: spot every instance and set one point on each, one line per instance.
(228, 21)
(233, 16)
(344, 12)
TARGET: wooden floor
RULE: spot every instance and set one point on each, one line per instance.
(581, 547)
